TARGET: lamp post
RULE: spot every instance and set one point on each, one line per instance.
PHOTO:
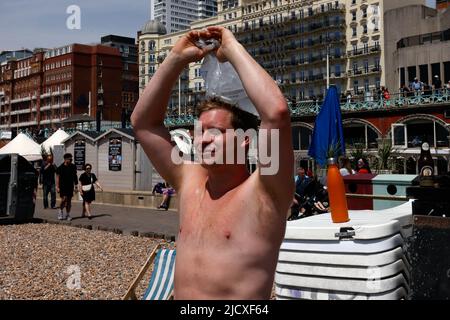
(328, 67)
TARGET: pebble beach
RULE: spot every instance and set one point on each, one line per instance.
(57, 262)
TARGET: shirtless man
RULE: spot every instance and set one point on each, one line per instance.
(231, 223)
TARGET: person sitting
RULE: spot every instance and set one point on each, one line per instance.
(167, 192)
(363, 166)
(158, 188)
(346, 168)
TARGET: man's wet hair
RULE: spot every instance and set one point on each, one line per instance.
(240, 119)
(67, 156)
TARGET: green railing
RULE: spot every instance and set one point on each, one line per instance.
(355, 104)
(371, 103)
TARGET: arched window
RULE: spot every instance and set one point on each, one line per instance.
(412, 133)
(301, 137)
(360, 134)
(151, 45)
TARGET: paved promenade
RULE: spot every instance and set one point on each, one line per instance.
(125, 220)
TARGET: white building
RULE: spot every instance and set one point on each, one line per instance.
(177, 15)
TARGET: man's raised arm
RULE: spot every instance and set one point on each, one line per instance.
(272, 108)
(148, 116)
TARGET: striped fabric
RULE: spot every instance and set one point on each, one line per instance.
(161, 282)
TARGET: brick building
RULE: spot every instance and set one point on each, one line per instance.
(43, 90)
(130, 81)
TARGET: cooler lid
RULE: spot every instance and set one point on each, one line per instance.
(399, 179)
(363, 224)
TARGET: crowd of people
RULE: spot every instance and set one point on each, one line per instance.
(311, 195)
(417, 87)
(64, 180)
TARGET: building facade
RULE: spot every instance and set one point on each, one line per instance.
(44, 90)
(291, 39)
(130, 81)
(177, 15)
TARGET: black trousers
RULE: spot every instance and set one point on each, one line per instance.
(52, 190)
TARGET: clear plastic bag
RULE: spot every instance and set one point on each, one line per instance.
(223, 82)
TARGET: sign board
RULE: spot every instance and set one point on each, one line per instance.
(115, 154)
(79, 150)
(5, 135)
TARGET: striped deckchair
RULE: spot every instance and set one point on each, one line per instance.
(161, 281)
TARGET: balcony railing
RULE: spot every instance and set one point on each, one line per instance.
(26, 124)
(363, 71)
(21, 100)
(375, 103)
(363, 51)
(355, 104)
(45, 108)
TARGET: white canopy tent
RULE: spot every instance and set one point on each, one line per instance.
(55, 139)
(25, 146)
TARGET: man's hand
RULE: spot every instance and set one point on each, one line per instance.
(186, 51)
(227, 40)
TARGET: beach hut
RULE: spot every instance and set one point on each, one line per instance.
(122, 163)
(83, 146)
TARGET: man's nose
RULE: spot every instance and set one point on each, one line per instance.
(207, 137)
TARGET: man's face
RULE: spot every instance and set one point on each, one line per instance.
(301, 172)
(68, 160)
(49, 159)
(217, 134)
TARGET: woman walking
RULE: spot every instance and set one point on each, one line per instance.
(87, 180)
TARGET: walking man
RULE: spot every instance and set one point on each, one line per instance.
(231, 223)
(47, 179)
(66, 180)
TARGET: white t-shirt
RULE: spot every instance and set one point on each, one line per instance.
(344, 172)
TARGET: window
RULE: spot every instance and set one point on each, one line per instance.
(354, 32)
(337, 71)
(412, 73)
(356, 87)
(423, 71)
(399, 135)
(360, 135)
(301, 137)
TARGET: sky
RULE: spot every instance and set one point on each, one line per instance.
(43, 23)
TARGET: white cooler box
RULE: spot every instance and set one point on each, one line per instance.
(361, 259)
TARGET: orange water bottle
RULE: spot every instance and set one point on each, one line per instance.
(336, 193)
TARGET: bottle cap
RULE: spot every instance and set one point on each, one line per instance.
(331, 161)
(425, 146)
